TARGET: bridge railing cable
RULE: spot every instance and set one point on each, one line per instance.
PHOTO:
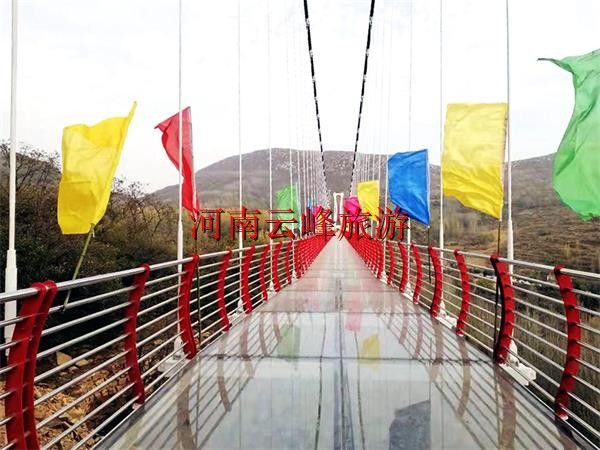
(540, 323)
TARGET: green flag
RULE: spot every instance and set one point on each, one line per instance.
(289, 346)
(576, 177)
(287, 198)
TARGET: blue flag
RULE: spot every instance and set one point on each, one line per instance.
(408, 178)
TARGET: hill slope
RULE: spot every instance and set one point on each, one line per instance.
(545, 229)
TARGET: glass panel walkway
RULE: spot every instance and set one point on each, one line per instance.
(340, 360)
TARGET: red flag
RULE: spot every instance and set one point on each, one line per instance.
(170, 141)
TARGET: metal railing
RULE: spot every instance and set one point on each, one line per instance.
(74, 372)
(540, 323)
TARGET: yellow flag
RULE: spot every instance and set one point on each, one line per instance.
(368, 197)
(370, 351)
(90, 155)
(475, 137)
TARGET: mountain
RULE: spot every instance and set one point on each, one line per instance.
(545, 230)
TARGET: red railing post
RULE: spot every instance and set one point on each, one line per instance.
(390, 250)
(261, 273)
(221, 291)
(274, 267)
(296, 254)
(419, 268)
(304, 257)
(130, 342)
(380, 261)
(434, 309)
(372, 256)
(245, 273)
(465, 293)
(185, 321)
(571, 367)
(288, 272)
(404, 256)
(507, 320)
(19, 405)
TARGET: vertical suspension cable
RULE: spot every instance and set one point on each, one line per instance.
(362, 90)
(304, 178)
(410, 74)
(378, 159)
(239, 87)
(314, 84)
(11, 271)
(388, 109)
(269, 120)
(441, 136)
(297, 135)
(389, 96)
(180, 140)
(289, 124)
(510, 252)
(381, 103)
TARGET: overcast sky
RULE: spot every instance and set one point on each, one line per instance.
(83, 61)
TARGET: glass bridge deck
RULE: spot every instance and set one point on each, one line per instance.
(339, 360)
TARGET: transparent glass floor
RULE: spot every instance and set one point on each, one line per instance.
(339, 360)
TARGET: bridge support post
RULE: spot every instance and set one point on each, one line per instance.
(130, 342)
(244, 287)
(571, 367)
(261, 273)
(22, 357)
(185, 322)
(275, 267)
(288, 273)
(404, 257)
(434, 309)
(507, 317)
(419, 269)
(392, 269)
(465, 293)
(221, 292)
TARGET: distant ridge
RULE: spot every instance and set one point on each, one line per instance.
(545, 229)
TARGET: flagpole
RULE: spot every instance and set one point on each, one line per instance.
(10, 308)
(239, 86)
(510, 251)
(180, 140)
(441, 143)
(441, 238)
(79, 263)
(410, 75)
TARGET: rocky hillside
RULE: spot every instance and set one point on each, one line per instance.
(545, 230)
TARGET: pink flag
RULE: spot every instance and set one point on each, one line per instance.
(352, 207)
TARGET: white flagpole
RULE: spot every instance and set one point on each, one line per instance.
(510, 251)
(410, 75)
(239, 124)
(441, 239)
(10, 310)
(179, 220)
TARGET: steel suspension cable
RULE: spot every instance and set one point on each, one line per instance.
(362, 90)
(314, 84)
(239, 86)
(297, 119)
(387, 143)
(269, 120)
(289, 107)
(410, 75)
(441, 136)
